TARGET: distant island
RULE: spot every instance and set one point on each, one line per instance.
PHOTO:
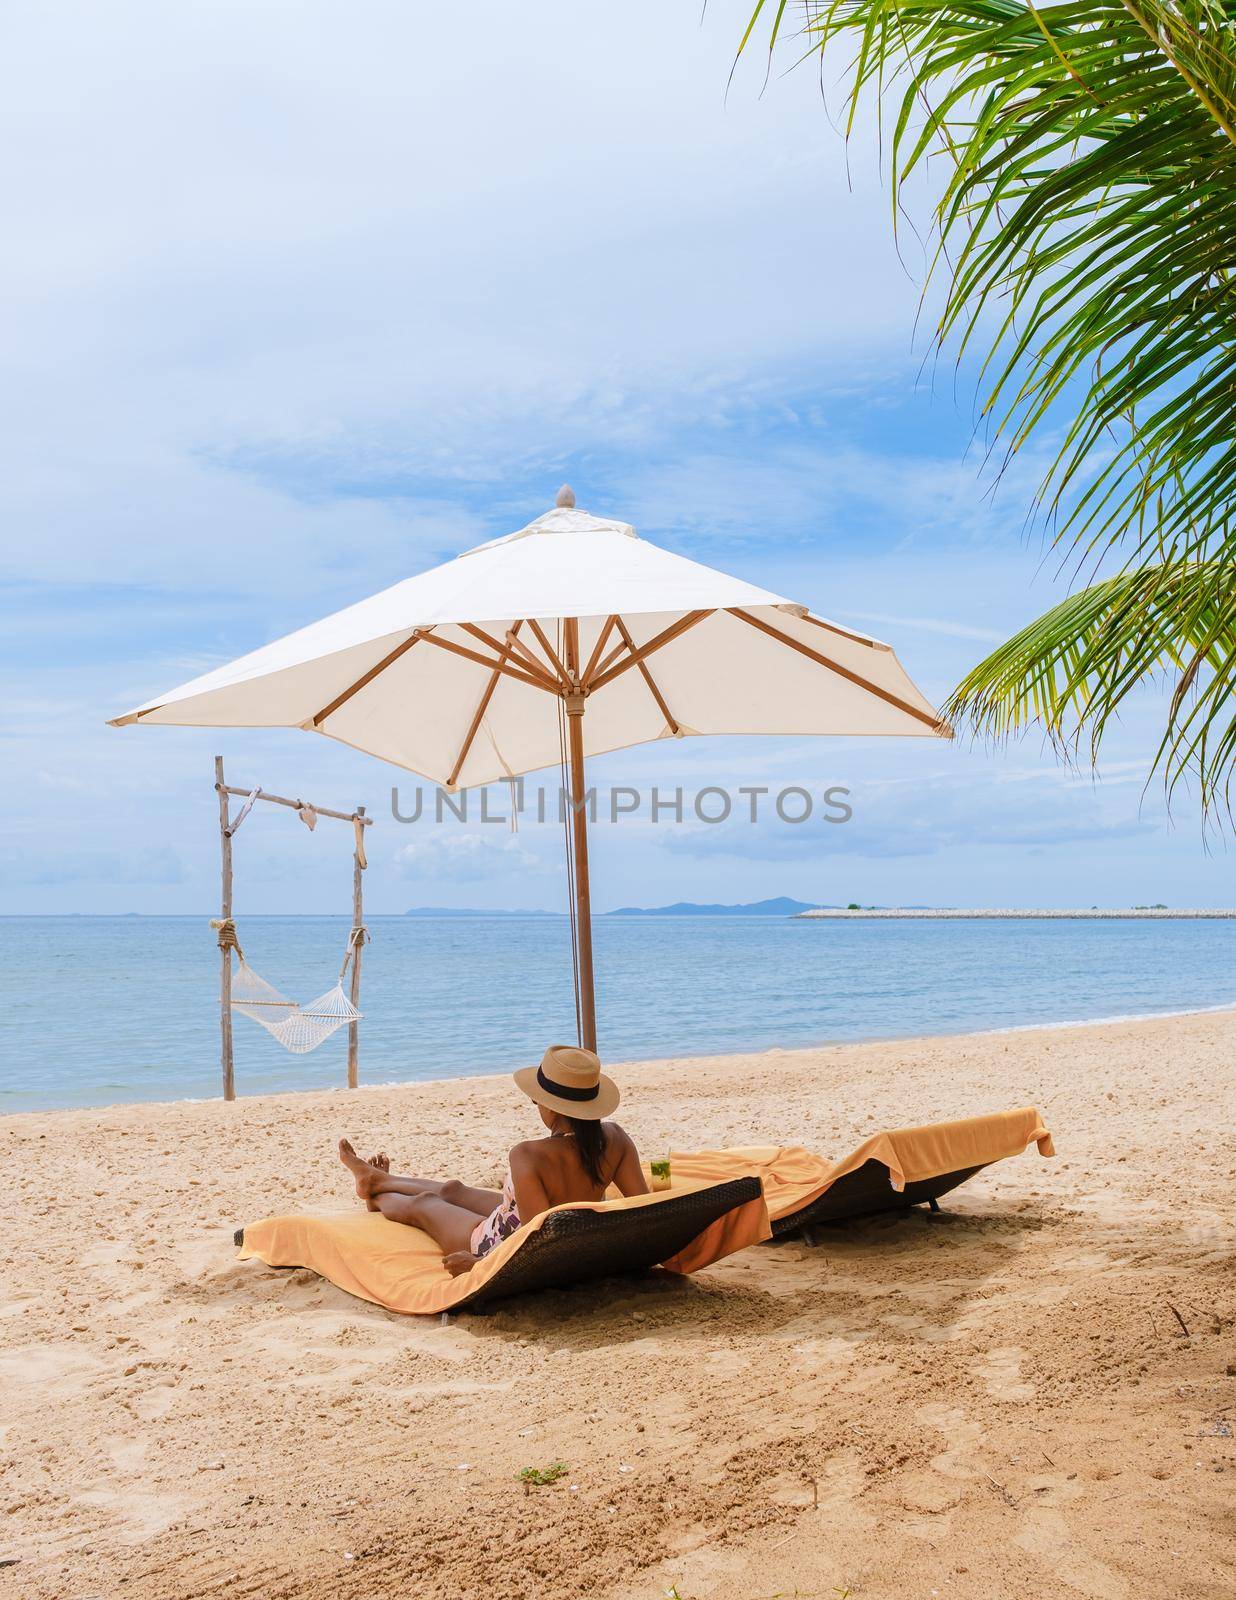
(782, 906)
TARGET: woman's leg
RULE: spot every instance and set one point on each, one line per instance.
(373, 1181)
(450, 1226)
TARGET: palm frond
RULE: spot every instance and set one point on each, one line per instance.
(1085, 235)
(1072, 668)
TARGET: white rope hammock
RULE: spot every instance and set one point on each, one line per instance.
(297, 1028)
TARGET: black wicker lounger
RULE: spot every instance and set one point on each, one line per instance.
(572, 1247)
(867, 1191)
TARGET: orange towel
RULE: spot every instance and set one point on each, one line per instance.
(793, 1177)
(401, 1268)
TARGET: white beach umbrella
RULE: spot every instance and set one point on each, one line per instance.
(572, 634)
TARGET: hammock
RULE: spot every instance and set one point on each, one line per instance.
(297, 1028)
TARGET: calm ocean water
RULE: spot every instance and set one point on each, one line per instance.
(104, 1009)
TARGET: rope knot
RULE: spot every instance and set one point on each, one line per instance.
(227, 935)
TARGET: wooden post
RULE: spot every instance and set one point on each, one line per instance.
(579, 823)
(357, 924)
(225, 955)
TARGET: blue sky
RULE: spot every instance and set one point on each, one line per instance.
(302, 300)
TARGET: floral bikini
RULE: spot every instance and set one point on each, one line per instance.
(500, 1224)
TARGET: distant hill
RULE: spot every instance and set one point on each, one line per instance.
(782, 906)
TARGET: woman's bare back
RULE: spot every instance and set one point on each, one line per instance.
(549, 1172)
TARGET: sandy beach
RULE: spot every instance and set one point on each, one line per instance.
(1032, 1394)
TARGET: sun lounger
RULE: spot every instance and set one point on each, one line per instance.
(401, 1268)
(721, 1201)
(891, 1171)
(869, 1190)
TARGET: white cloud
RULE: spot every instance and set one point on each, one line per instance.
(923, 816)
(288, 284)
(456, 857)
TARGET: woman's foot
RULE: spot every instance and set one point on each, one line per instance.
(382, 1161)
(367, 1175)
(459, 1262)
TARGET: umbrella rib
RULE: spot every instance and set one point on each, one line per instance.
(844, 633)
(533, 666)
(598, 647)
(529, 656)
(531, 659)
(504, 667)
(563, 675)
(655, 643)
(368, 677)
(934, 722)
(131, 717)
(482, 708)
(610, 657)
(649, 680)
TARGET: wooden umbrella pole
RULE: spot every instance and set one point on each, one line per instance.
(357, 942)
(225, 950)
(579, 825)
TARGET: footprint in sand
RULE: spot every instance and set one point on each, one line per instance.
(920, 1327)
(137, 1514)
(128, 1455)
(827, 1355)
(1046, 1535)
(958, 1460)
(842, 1484)
(1000, 1370)
(869, 1376)
(700, 1568)
(47, 1369)
(790, 1489)
(927, 1498)
(153, 1404)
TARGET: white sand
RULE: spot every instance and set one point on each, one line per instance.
(998, 1402)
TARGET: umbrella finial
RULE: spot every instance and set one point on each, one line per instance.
(566, 496)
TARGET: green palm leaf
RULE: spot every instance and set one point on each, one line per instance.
(1071, 669)
(1085, 230)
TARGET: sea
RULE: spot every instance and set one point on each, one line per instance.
(102, 1010)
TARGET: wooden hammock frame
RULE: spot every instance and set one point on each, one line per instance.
(228, 826)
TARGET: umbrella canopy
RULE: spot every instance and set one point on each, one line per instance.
(457, 673)
(571, 637)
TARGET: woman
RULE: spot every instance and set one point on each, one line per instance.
(579, 1160)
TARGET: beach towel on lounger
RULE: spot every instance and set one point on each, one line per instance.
(914, 1165)
(696, 1223)
(707, 1215)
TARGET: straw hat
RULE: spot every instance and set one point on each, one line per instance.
(570, 1081)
